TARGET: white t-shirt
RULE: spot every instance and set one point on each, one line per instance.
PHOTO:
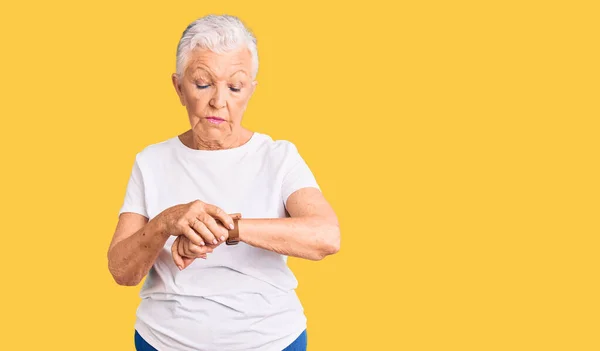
(241, 297)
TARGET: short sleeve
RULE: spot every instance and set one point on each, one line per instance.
(298, 175)
(134, 195)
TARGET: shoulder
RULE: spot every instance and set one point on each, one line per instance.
(154, 152)
(277, 147)
(282, 155)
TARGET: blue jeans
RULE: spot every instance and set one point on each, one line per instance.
(298, 345)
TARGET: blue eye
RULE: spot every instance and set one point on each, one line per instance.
(235, 89)
(202, 86)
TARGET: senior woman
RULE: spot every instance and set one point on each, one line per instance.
(211, 215)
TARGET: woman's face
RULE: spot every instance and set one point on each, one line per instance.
(215, 89)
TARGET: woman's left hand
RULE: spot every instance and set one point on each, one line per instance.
(185, 252)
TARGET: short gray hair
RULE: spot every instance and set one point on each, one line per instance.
(219, 34)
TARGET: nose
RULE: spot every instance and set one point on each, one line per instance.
(218, 99)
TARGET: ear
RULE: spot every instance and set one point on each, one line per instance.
(254, 84)
(177, 86)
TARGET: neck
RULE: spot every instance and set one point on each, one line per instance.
(200, 142)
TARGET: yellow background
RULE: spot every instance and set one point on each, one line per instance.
(457, 141)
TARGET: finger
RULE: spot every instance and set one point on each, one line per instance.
(188, 249)
(217, 229)
(219, 214)
(202, 256)
(175, 254)
(191, 250)
(195, 250)
(201, 228)
(181, 248)
(192, 235)
(209, 248)
(176, 257)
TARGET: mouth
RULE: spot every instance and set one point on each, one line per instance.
(215, 120)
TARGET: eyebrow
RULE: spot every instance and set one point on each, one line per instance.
(200, 68)
(236, 72)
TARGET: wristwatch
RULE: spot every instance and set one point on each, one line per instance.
(234, 234)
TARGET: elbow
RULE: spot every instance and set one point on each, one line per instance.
(122, 278)
(335, 238)
(330, 245)
(123, 281)
(333, 245)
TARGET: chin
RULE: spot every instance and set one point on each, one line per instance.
(215, 132)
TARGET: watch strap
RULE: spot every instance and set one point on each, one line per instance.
(234, 234)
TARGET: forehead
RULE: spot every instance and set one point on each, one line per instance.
(220, 65)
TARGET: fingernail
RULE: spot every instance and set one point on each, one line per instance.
(222, 238)
(231, 226)
(202, 243)
(215, 242)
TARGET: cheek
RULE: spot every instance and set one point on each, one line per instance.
(241, 102)
(237, 108)
(196, 102)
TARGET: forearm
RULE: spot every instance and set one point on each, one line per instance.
(312, 238)
(131, 259)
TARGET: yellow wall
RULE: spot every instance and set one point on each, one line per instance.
(457, 141)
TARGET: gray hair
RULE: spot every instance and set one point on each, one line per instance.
(219, 34)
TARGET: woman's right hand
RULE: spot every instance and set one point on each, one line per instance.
(196, 220)
(184, 252)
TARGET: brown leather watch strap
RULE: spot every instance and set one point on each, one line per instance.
(234, 234)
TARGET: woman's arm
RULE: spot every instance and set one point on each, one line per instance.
(312, 232)
(137, 242)
(134, 248)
